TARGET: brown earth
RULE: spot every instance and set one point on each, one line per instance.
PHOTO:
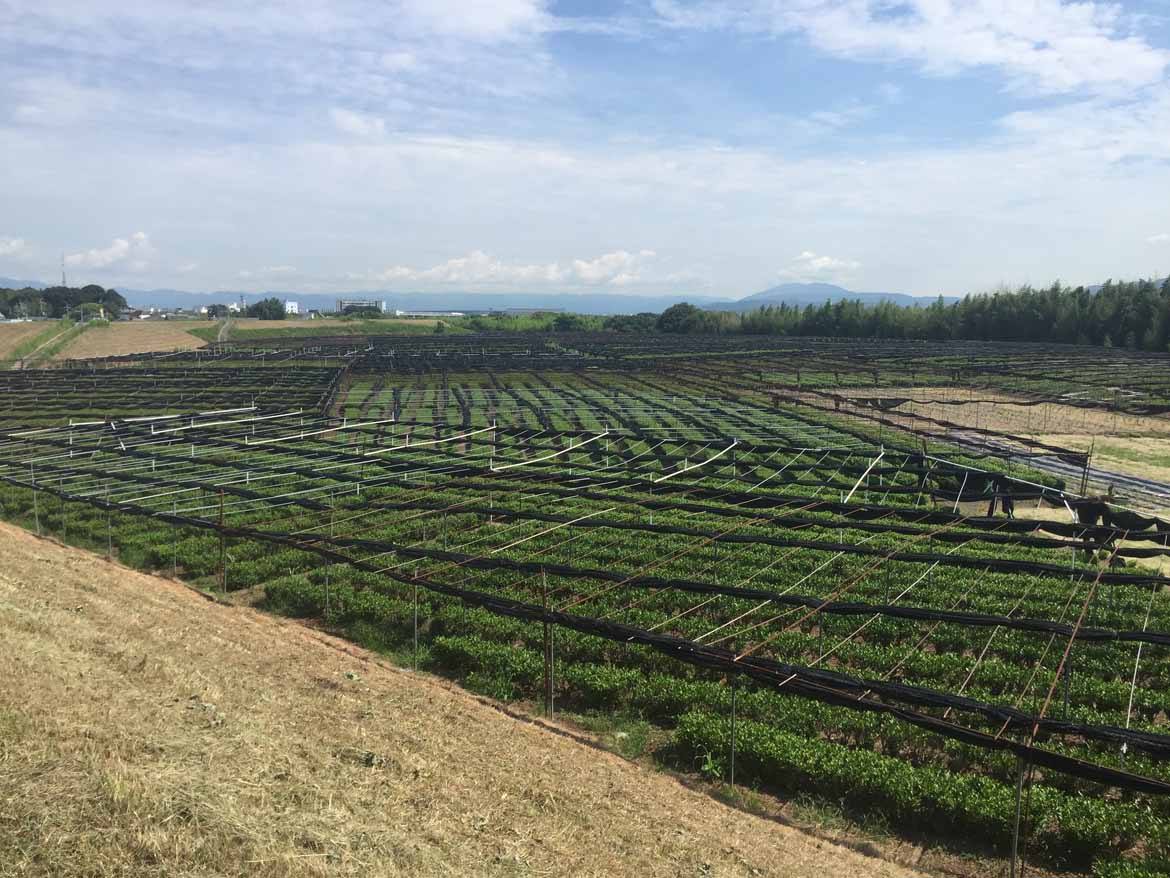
(134, 338)
(147, 730)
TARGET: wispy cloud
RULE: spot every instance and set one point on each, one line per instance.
(1043, 45)
(478, 268)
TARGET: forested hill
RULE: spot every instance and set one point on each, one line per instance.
(59, 301)
(1134, 315)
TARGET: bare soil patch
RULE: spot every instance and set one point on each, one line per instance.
(147, 730)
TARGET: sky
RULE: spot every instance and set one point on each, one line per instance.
(622, 146)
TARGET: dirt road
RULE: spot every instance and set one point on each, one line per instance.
(147, 731)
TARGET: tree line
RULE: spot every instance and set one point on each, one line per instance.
(61, 301)
(1134, 315)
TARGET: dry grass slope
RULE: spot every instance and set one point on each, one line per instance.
(12, 334)
(133, 338)
(147, 731)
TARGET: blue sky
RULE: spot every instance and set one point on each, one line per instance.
(636, 146)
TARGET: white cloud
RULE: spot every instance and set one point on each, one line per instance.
(358, 124)
(187, 267)
(479, 268)
(133, 251)
(11, 246)
(810, 266)
(1046, 45)
(611, 267)
(1160, 238)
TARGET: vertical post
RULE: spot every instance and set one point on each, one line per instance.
(1088, 463)
(36, 510)
(548, 650)
(416, 625)
(109, 527)
(734, 688)
(328, 566)
(1016, 830)
(222, 547)
(175, 543)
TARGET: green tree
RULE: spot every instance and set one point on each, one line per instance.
(683, 318)
(267, 309)
(642, 323)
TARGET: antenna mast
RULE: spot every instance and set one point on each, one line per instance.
(63, 271)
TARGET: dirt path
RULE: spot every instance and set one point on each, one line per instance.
(145, 730)
(32, 355)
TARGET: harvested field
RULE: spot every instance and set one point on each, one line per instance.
(992, 410)
(12, 334)
(145, 730)
(118, 339)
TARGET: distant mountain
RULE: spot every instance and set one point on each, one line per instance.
(581, 303)
(11, 283)
(801, 294)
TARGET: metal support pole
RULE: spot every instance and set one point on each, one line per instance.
(175, 543)
(416, 626)
(1016, 830)
(327, 566)
(548, 655)
(734, 688)
(36, 510)
(222, 547)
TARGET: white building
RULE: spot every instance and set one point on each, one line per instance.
(292, 308)
(234, 307)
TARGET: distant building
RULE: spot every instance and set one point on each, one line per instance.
(313, 314)
(346, 306)
(398, 312)
(292, 308)
(234, 307)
